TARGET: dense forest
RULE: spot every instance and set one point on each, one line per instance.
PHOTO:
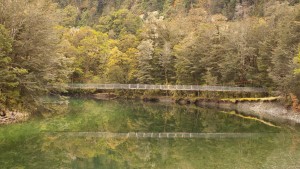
(204, 42)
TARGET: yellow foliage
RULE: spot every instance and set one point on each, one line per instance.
(262, 21)
(297, 60)
(252, 99)
(116, 57)
(252, 118)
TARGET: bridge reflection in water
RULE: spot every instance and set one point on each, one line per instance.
(159, 135)
(166, 87)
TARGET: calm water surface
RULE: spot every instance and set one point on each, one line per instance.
(92, 134)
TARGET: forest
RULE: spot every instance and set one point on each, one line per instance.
(201, 42)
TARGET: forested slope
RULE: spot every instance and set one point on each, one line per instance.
(213, 42)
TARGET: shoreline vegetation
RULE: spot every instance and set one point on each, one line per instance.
(260, 105)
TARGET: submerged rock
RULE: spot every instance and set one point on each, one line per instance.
(150, 99)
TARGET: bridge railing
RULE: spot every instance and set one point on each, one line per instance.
(165, 87)
(161, 135)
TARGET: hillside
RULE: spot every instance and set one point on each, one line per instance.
(212, 42)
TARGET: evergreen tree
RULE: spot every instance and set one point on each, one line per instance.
(8, 76)
(35, 47)
(145, 58)
(287, 38)
(119, 22)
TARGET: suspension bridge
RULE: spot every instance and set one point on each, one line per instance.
(166, 87)
(159, 135)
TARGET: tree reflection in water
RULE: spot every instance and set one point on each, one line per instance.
(43, 142)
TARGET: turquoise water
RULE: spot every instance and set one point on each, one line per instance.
(94, 134)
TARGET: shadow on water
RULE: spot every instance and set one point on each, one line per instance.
(114, 134)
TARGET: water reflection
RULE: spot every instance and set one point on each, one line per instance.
(91, 152)
(93, 134)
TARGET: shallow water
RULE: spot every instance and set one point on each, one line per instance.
(92, 134)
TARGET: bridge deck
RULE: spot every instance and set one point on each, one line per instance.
(166, 87)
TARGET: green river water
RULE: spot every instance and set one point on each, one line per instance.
(89, 134)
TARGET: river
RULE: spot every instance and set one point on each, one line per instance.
(89, 134)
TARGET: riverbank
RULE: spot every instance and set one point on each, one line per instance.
(267, 110)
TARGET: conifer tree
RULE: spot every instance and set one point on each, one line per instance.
(8, 78)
